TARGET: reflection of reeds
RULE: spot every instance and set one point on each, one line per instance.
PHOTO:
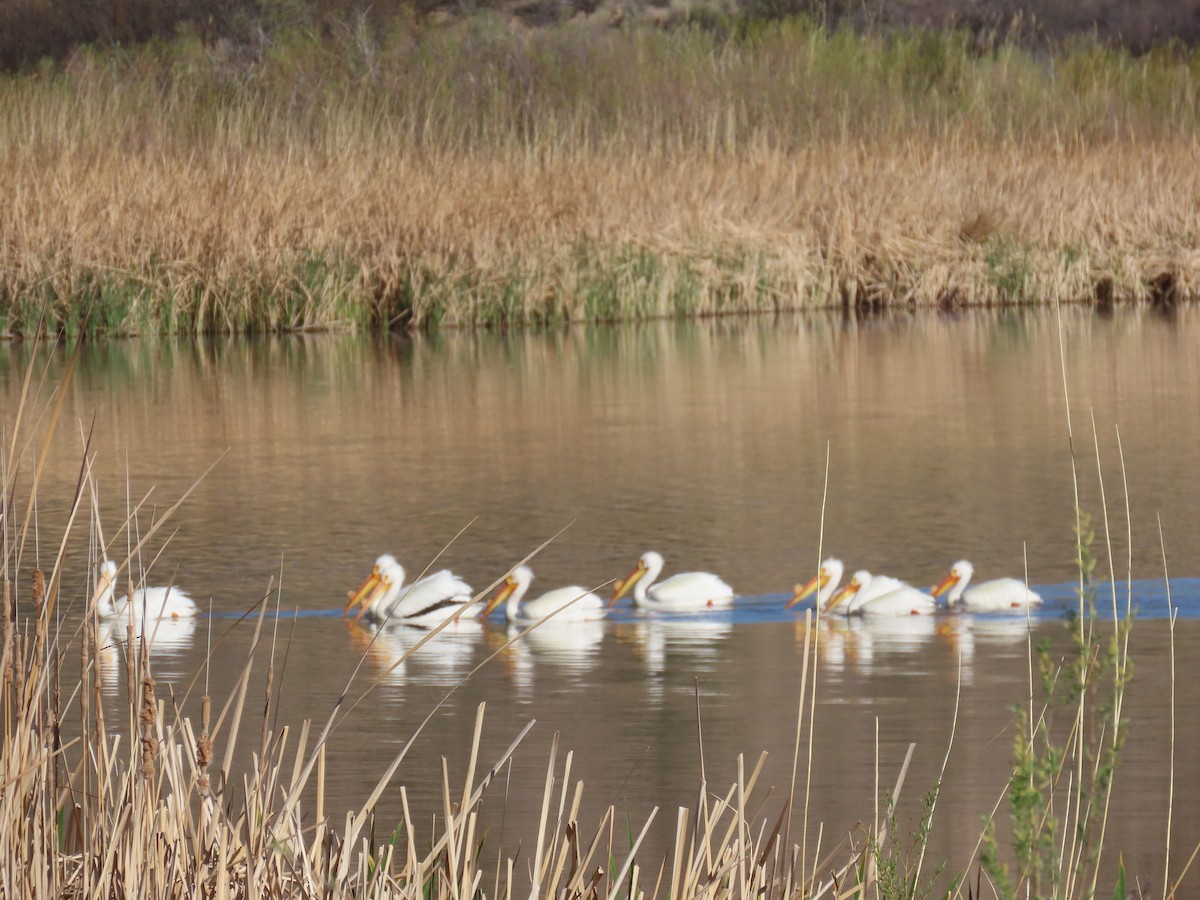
(469, 175)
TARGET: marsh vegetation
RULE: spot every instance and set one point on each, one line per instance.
(417, 172)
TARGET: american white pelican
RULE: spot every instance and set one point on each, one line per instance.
(577, 604)
(679, 593)
(150, 602)
(991, 596)
(879, 595)
(863, 588)
(825, 582)
(430, 601)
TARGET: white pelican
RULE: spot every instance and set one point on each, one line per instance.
(679, 593)
(150, 602)
(825, 582)
(577, 604)
(430, 601)
(991, 596)
(879, 595)
(862, 589)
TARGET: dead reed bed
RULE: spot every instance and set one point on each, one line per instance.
(472, 174)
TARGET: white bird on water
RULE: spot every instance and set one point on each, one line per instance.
(991, 596)
(429, 601)
(148, 602)
(824, 583)
(568, 604)
(879, 595)
(679, 593)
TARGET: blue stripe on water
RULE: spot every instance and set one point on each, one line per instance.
(1149, 601)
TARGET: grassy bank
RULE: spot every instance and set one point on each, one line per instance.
(473, 173)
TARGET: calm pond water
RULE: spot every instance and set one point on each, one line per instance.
(946, 437)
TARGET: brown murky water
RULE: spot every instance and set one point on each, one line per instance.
(945, 437)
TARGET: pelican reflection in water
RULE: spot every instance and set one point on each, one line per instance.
(166, 641)
(443, 659)
(562, 651)
(865, 643)
(675, 648)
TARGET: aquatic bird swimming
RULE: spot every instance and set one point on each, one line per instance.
(584, 606)
(429, 601)
(679, 593)
(879, 595)
(825, 582)
(151, 602)
(862, 589)
(991, 596)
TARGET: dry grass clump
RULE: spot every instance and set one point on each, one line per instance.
(467, 175)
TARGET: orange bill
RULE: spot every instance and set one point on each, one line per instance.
(501, 596)
(840, 596)
(380, 589)
(948, 582)
(622, 587)
(815, 583)
(356, 597)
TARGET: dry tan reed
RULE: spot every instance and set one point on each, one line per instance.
(579, 177)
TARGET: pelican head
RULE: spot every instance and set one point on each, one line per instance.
(357, 597)
(105, 580)
(391, 580)
(858, 581)
(830, 573)
(955, 582)
(650, 561)
(517, 582)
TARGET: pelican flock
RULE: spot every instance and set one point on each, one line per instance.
(384, 599)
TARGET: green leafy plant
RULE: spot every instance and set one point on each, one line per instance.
(1066, 752)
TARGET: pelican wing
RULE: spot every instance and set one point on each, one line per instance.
(998, 595)
(157, 603)
(432, 599)
(690, 590)
(584, 606)
(905, 601)
(879, 586)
